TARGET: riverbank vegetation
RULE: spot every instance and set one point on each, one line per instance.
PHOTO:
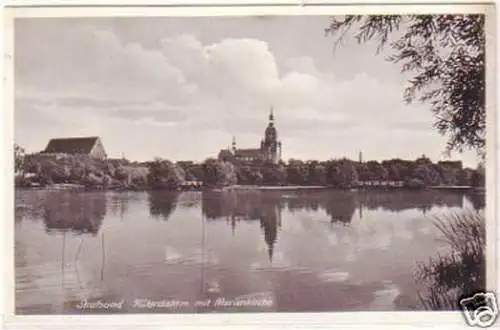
(43, 170)
(445, 279)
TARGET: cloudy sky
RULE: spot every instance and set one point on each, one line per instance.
(180, 88)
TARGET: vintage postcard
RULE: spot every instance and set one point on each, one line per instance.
(266, 165)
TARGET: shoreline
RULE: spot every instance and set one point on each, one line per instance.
(81, 188)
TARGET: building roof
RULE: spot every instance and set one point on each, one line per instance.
(453, 162)
(225, 152)
(247, 152)
(80, 145)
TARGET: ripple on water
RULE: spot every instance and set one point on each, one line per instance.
(333, 276)
(45, 287)
(385, 298)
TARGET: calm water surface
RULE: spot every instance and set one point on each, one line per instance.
(200, 252)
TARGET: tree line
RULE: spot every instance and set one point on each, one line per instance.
(341, 173)
(42, 170)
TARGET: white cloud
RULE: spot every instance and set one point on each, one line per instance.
(185, 91)
(93, 63)
(305, 65)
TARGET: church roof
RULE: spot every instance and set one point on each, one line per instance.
(247, 152)
(80, 145)
(224, 153)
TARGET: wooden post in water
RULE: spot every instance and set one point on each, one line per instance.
(79, 249)
(63, 252)
(103, 256)
(202, 252)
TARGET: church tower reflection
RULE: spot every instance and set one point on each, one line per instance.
(270, 222)
(246, 206)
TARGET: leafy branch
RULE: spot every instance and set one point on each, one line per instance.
(444, 57)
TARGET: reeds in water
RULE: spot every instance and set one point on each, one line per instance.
(447, 278)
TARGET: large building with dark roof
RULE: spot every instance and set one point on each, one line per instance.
(269, 150)
(88, 146)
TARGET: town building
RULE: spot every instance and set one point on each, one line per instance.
(269, 150)
(454, 164)
(88, 146)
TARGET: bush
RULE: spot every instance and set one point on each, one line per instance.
(139, 176)
(121, 174)
(226, 174)
(415, 183)
(163, 174)
(77, 172)
(20, 181)
(92, 180)
(446, 279)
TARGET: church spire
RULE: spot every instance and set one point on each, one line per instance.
(234, 143)
(271, 114)
(270, 251)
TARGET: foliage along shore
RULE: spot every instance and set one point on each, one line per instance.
(445, 279)
(78, 171)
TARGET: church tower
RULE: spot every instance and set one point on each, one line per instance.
(270, 146)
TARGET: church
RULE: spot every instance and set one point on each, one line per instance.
(270, 147)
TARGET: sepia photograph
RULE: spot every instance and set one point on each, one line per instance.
(256, 163)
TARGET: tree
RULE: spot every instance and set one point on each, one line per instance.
(52, 172)
(478, 178)
(18, 158)
(296, 172)
(210, 171)
(445, 54)
(450, 176)
(273, 174)
(394, 173)
(77, 172)
(320, 175)
(341, 173)
(427, 174)
(226, 174)
(163, 174)
(377, 171)
(196, 172)
(316, 173)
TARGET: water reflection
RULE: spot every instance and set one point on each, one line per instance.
(119, 203)
(478, 200)
(233, 243)
(340, 206)
(246, 206)
(79, 213)
(397, 201)
(162, 203)
(270, 221)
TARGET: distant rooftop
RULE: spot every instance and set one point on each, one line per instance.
(73, 145)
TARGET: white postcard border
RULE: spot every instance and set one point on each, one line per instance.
(268, 321)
